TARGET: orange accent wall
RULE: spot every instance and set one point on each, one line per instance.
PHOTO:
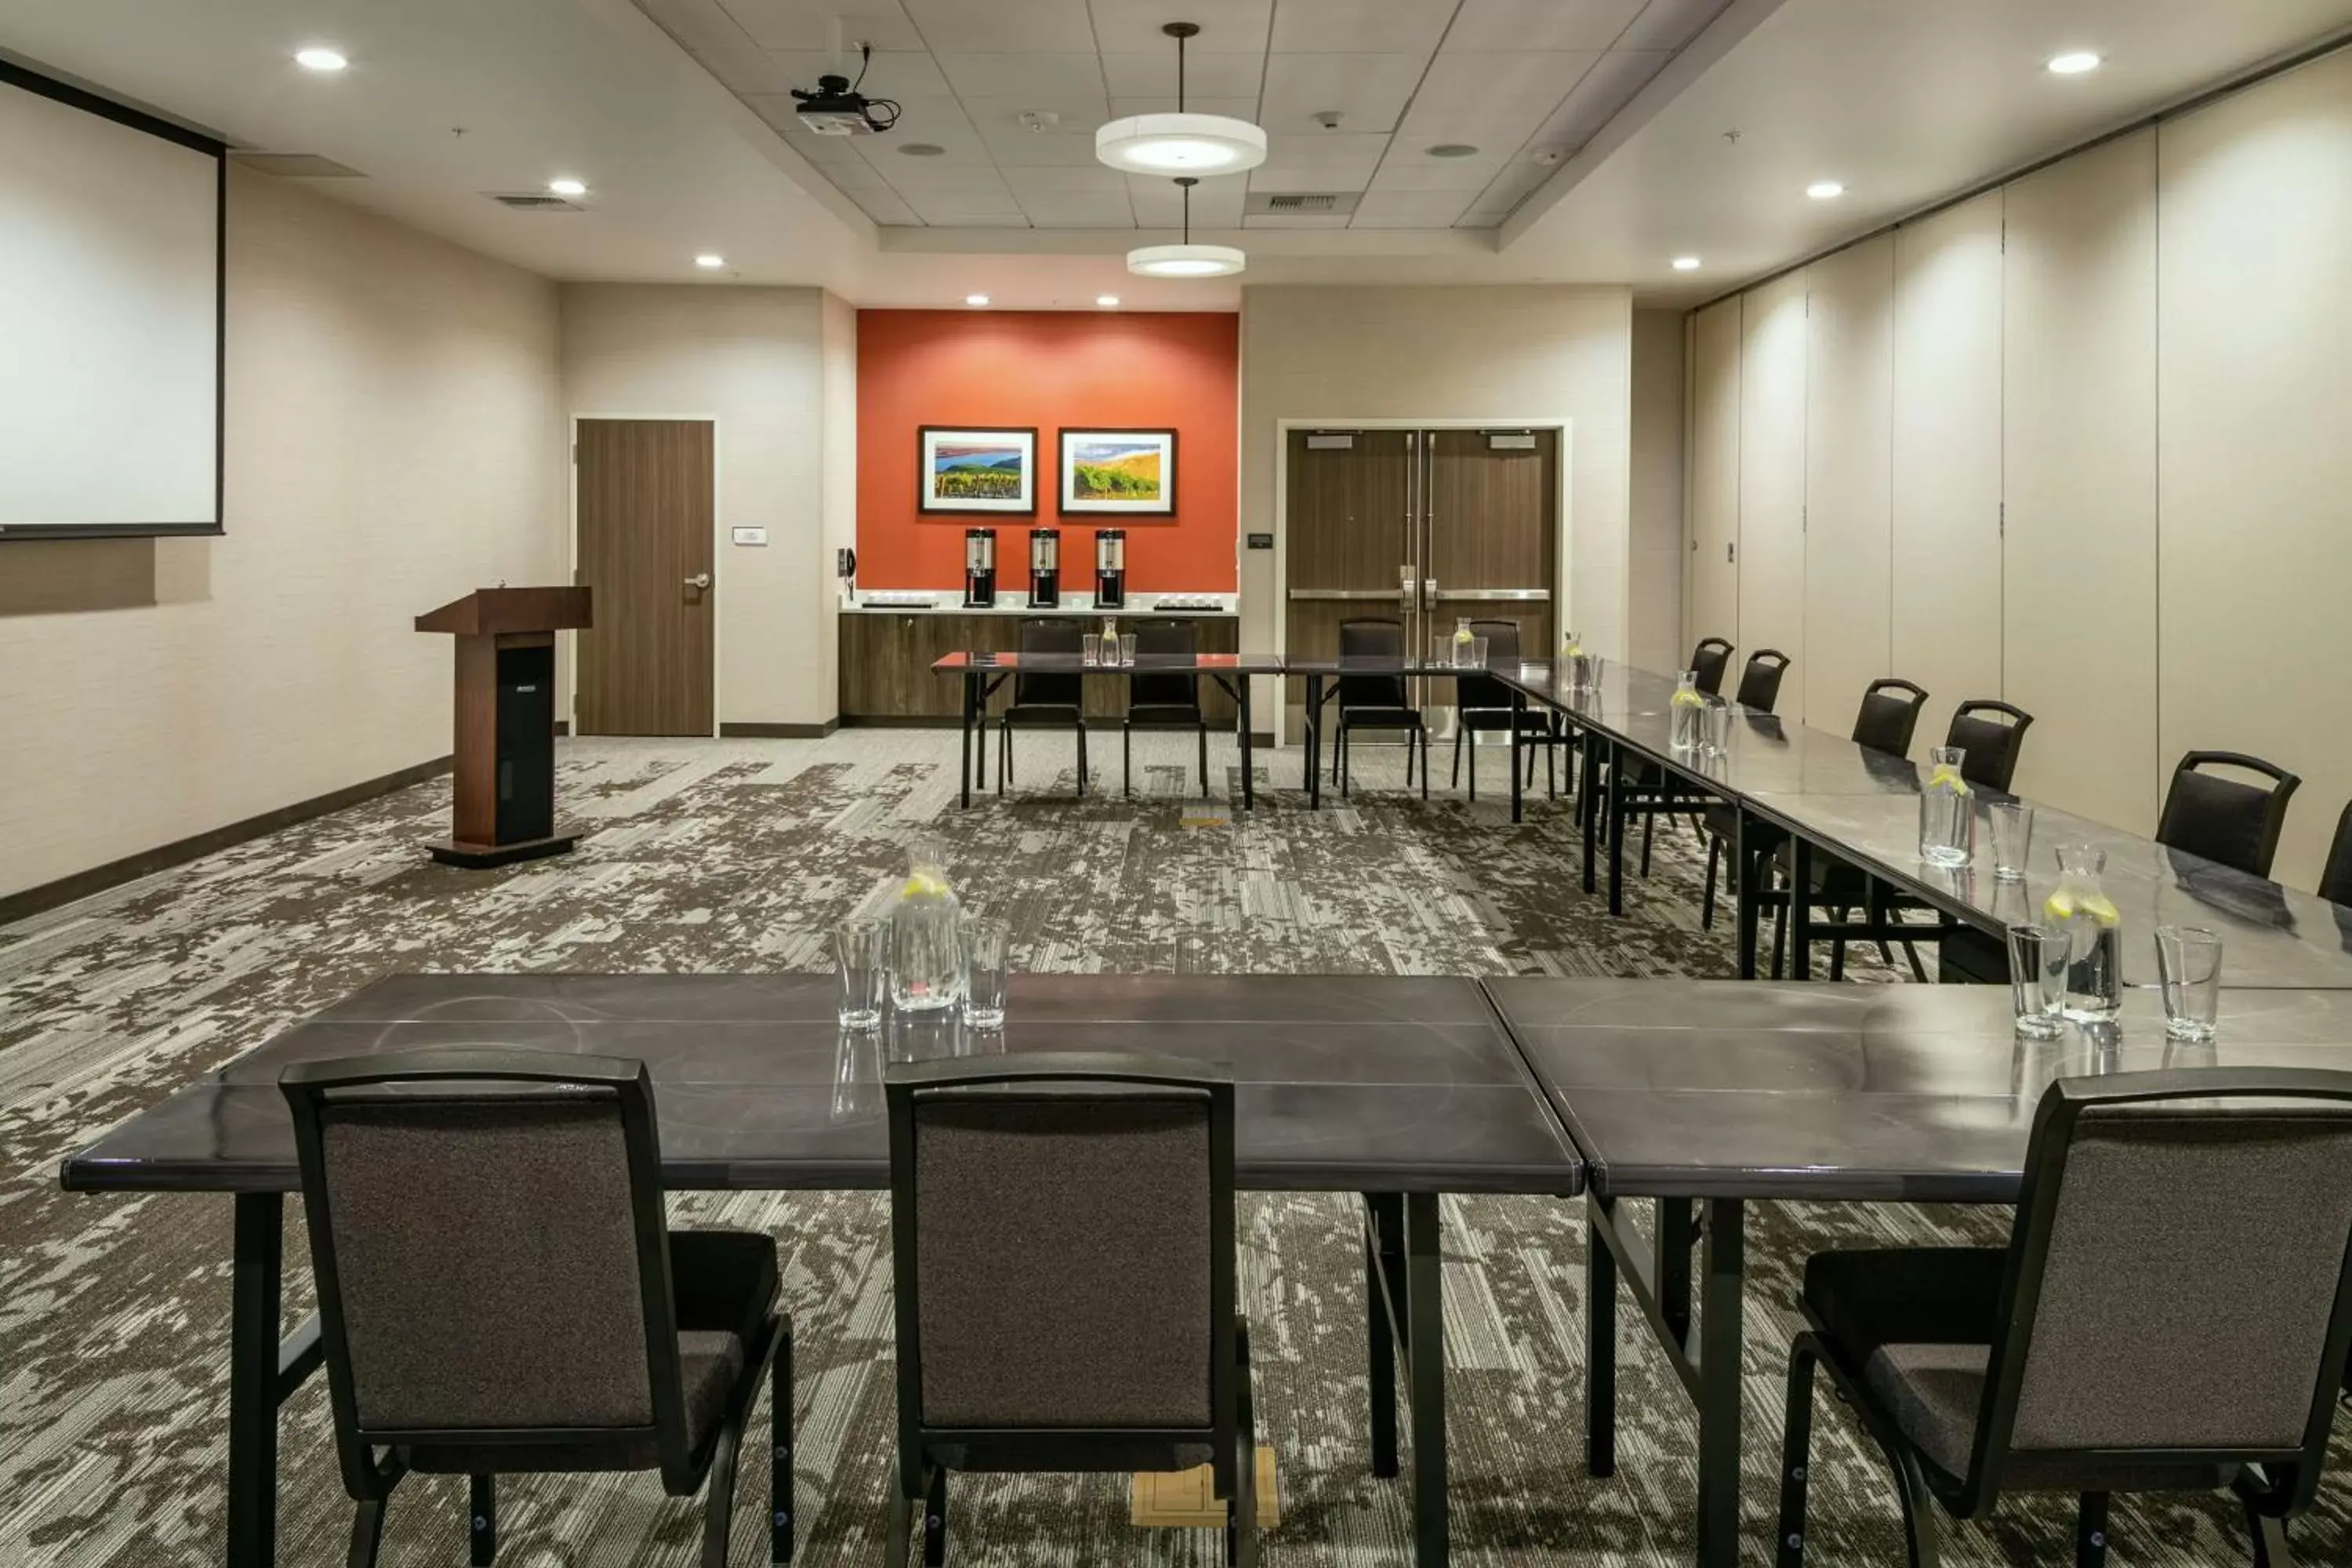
(1053, 369)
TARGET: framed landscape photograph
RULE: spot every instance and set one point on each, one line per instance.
(976, 470)
(1124, 473)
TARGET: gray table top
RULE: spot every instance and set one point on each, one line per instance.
(1342, 1083)
(1917, 1094)
(1145, 663)
(1622, 689)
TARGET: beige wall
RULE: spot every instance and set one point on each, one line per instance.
(1654, 635)
(2113, 436)
(394, 441)
(840, 486)
(758, 360)
(1500, 354)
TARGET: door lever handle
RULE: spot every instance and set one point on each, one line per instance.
(699, 580)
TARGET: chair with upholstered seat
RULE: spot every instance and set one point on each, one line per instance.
(500, 1292)
(2159, 1322)
(1052, 699)
(1651, 792)
(1710, 661)
(2224, 819)
(1163, 699)
(1989, 736)
(1376, 702)
(1482, 706)
(1064, 1263)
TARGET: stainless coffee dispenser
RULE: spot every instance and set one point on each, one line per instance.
(1045, 568)
(1110, 568)
(979, 566)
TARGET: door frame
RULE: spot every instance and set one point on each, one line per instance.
(1282, 429)
(569, 667)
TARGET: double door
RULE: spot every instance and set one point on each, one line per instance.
(1422, 529)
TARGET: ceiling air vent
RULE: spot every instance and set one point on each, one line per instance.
(1323, 202)
(534, 202)
(1300, 203)
(296, 165)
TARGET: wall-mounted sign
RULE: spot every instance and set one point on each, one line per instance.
(750, 535)
(1261, 541)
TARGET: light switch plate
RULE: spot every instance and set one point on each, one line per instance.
(750, 535)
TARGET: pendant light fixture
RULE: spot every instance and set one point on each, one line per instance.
(1180, 143)
(1188, 260)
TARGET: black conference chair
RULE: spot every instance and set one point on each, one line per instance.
(1046, 702)
(1711, 661)
(2335, 877)
(2222, 819)
(500, 1292)
(1989, 736)
(1163, 700)
(1759, 682)
(1653, 793)
(1482, 705)
(1062, 1243)
(1376, 702)
(2159, 1322)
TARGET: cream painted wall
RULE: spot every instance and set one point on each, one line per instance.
(1849, 388)
(1711, 584)
(759, 360)
(840, 484)
(1772, 484)
(2117, 419)
(1499, 353)
(394, 440)
(1654, 637)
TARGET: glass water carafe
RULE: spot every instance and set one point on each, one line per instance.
(1947, 814)
(926, 953)
(2080, 907)
(1688, 713)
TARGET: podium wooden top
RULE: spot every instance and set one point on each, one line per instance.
(490, 611)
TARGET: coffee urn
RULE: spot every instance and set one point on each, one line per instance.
(980, 567)
(1110, 568)
(1045, 568)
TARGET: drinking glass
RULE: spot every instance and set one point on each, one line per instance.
(983, 966)
(2012, 822)
(1479, 653)
(2189, 963)
(1126, 649)
(1714, 728)
(1090, 648)
(861, 961)
(1441, 651)
(2037, 979)
(857, 1075)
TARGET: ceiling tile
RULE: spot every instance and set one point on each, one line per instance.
(1507, 27)
(939, 122)
(1232, 108)
(1385, 26)
(1039, 76)
(715, 38)
(1607, 88)
(1006, 26)
(1296, 220)
(1514, 184)
(1325, 149)
(909, 176)
(1477, 81)
(1078, 112)
(1094, 178)
(1468, 175)
(1411, 210)
(1216, 203)
(1017, 148)
(1367, 92)
(1079, 209)
(1226, 25)
(795, 25)
(1282, 177)
(887, 207)
(896, 73)
(856, 178)
(951, 207)
(1206, 76)
(1670, 23)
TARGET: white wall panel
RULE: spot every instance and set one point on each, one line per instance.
(1946, 627)
(1713, 575)
(2079, 443)
(2254, 322)
(1772, 480)
(1849, 400)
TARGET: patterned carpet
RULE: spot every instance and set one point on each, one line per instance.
(740, 855)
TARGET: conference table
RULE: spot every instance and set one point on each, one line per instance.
(1400, 1090)
(982, 672)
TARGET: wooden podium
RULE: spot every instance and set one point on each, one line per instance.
(505, 750)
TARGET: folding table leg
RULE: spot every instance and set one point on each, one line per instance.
(1747, 877)
(1518, 718)
(1425, 1311)
(1600, 1341)
(1801, 909)
(1724, 1267)
(966, 783)
(1616, 830)
(1383, 1216)
(253, 1384)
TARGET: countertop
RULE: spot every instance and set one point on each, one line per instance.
(1142, 606)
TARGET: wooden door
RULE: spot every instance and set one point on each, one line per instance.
(1493, 532)
(645, 502)
(1347, 519)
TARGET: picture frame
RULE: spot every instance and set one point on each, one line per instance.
(962, 468)
(1105, 472)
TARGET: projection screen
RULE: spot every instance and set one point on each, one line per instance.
(110, 317)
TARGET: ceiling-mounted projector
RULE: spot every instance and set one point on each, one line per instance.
(837, 108)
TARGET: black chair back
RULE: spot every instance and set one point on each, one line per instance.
(489, 1238)
(1711, 659)
(1989, 736)
(2222, 819)
(2163, 1308)
(1760, 683)
(1055, 691)
(1481, 693)
(2335, 877)
(1063, 1244)
(1165, 639)
(1372, 640)
(1890, 712)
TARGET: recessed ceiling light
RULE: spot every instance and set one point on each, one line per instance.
(2074, 62)
(1825, 190)
(1108, 301)
(317, 58)
(975, 299)
(710, 261)
(922, 149)
(1454, 150)
(1686, 263)
(568, 187)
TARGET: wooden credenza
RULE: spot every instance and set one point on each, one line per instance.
(886, 658)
